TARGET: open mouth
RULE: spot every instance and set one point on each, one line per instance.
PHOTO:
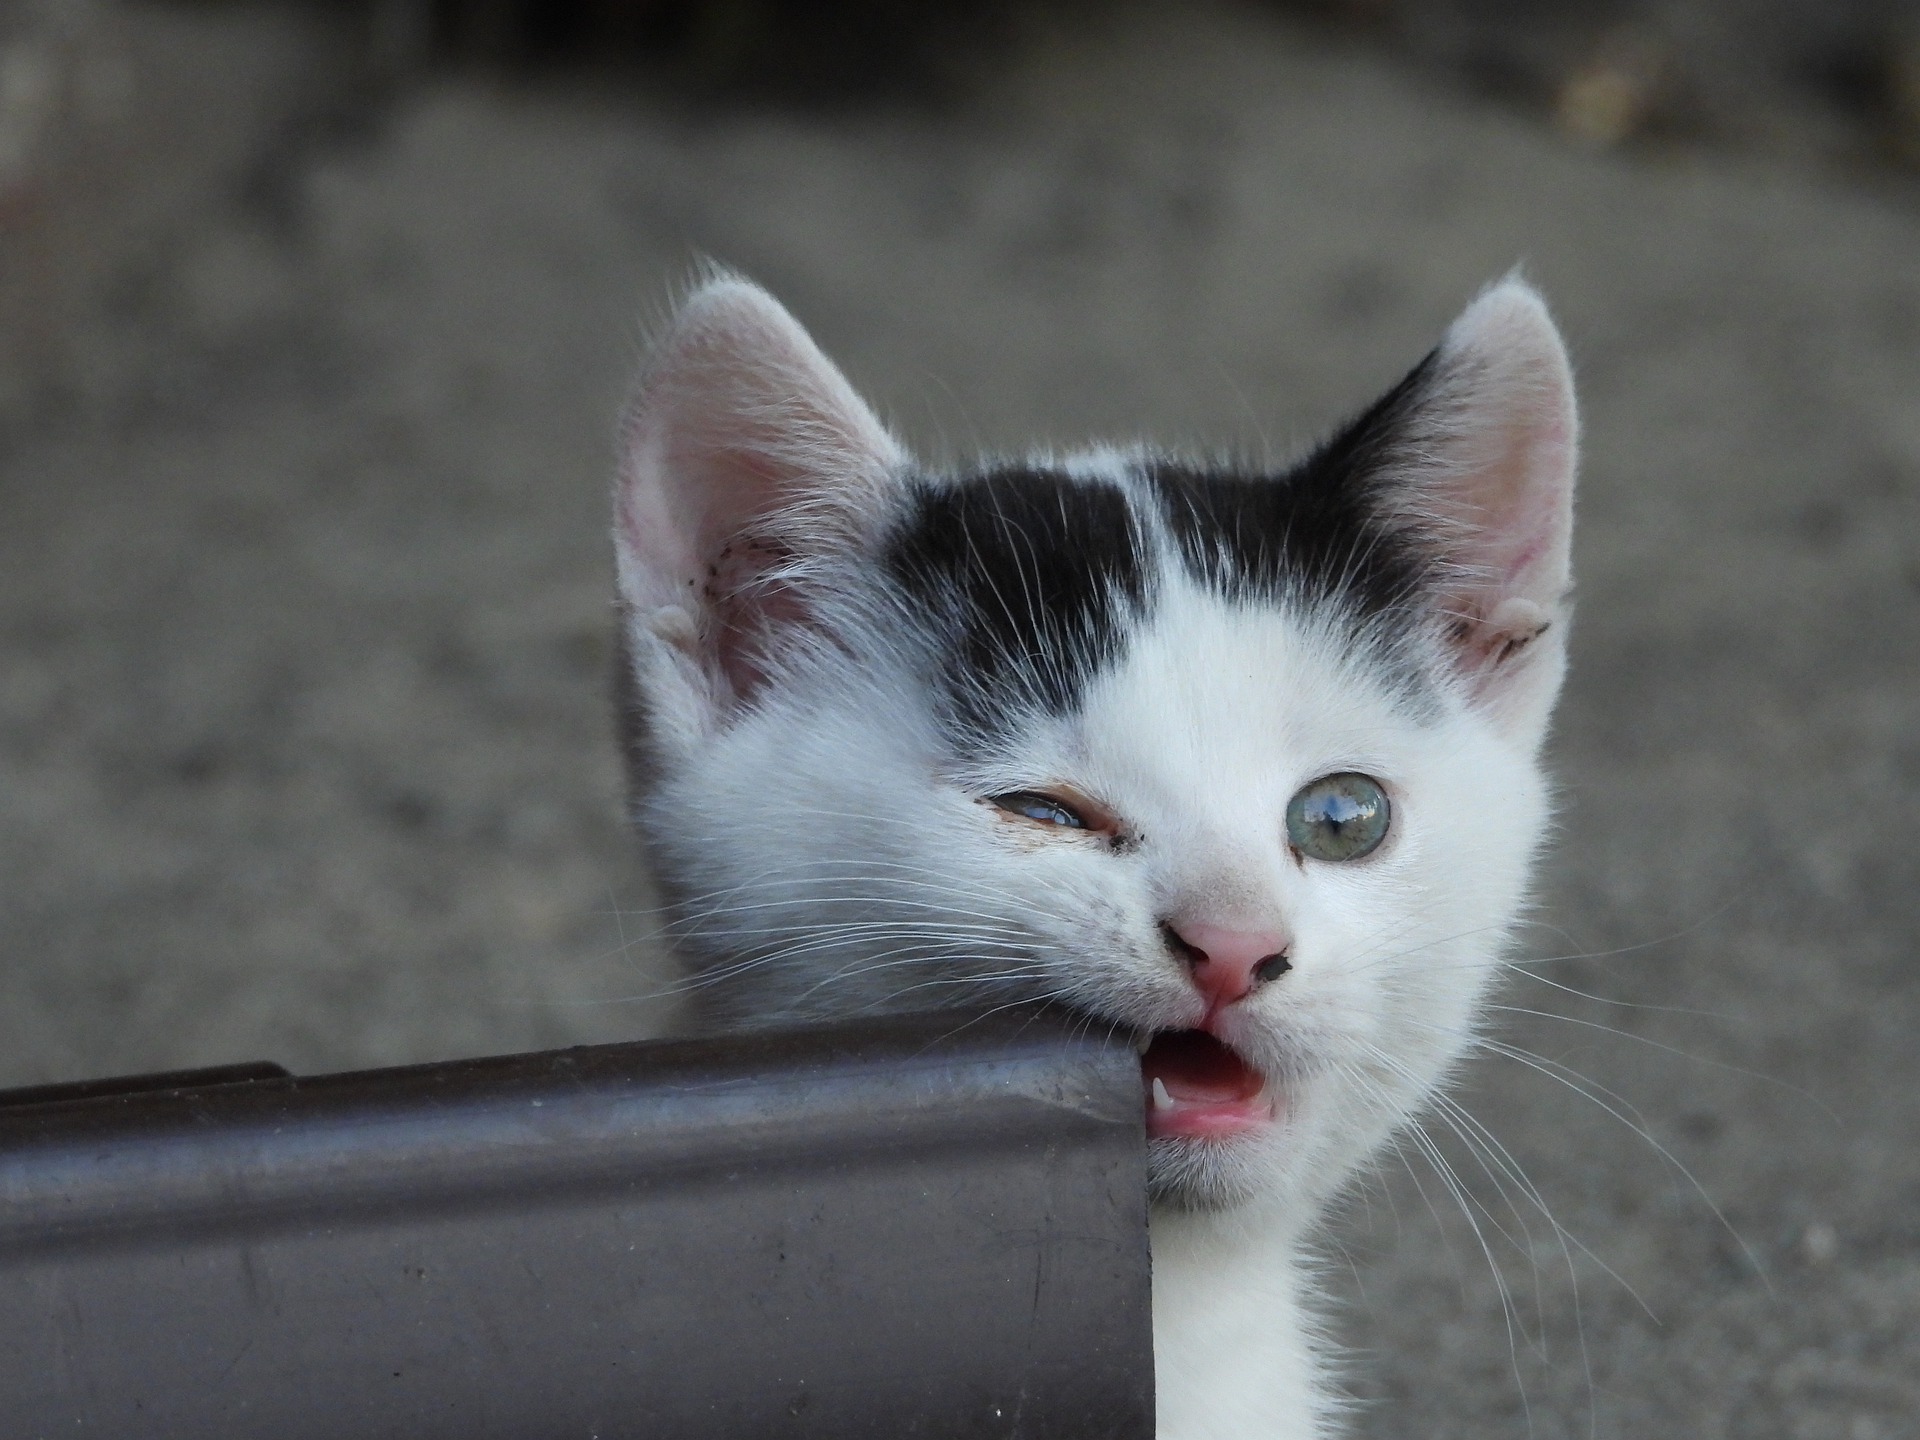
(1197, 1087)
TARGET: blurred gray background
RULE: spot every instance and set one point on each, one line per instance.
(314, 323)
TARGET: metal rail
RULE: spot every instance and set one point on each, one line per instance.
(930, 1226)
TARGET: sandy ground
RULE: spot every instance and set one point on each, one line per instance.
(303, 611)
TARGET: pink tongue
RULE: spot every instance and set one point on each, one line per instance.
(1196, 1067)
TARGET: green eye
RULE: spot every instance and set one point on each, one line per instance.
(1338, 817)
(1032, 805)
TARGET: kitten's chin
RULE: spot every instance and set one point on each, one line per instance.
(1212, 1173)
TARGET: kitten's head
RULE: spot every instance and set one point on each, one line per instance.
(1241, 763)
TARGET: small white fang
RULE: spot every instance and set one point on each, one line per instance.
(1161, 1099)
(1141, 1040)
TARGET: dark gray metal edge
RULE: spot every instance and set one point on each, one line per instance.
(354, 1148)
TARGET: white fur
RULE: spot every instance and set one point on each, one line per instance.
(826, 855)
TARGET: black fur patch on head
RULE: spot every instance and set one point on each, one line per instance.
(1031, 579)
(1316, 533)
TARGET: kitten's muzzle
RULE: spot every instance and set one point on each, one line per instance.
(1197, 1086)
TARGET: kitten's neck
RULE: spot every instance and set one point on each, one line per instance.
(1237, 1346)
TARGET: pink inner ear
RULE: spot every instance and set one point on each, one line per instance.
(708, 546)
(1528, 522)
(656, 551)
(747, 453)
(749, 600)
(1504, 458)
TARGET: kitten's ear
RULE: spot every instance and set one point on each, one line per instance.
(1482, 467)
(747, 458)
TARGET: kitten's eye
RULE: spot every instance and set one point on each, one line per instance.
(1338, 817)
(1032, 805)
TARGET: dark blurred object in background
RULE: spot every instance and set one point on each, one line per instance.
(820, 52)
(1838, 78)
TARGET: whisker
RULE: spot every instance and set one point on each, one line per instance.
(1624, 1112)
(1674, 1050)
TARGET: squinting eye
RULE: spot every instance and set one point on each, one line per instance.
(1031, 805)
(1338, 817)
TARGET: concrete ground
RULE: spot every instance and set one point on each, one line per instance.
(307, 401)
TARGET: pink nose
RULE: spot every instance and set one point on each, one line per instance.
(1228, 964)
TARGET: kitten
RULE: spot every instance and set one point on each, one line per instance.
(1244, 763)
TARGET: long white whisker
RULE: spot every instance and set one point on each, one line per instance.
(1707, 1060)
(1623, 1111)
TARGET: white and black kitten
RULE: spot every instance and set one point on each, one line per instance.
(1242, 762)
